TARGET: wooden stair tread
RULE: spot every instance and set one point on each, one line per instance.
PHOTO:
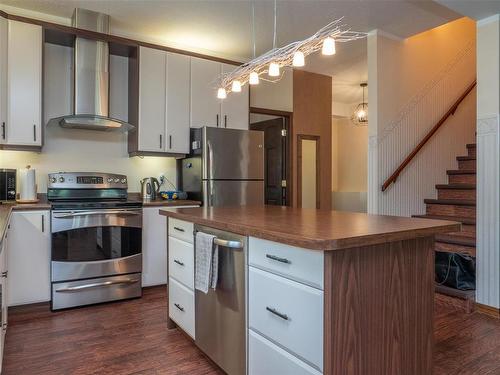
(471, 145)
(461, 294)
(461, 171)
(463, 220)
(457, 238)
(453, 202)
(463, 158)
(456, 186)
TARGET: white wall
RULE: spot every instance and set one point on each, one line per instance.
(412, 84)
(488, 163)
(277, 96)
(83, 150)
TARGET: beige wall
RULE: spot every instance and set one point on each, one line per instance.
(349, 148)
(413, 83)
(80, 150)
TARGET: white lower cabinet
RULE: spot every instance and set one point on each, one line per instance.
(154, 247)
(181, 306)
(264, 357)
(285, 313)
(28, 261)
(3, 295)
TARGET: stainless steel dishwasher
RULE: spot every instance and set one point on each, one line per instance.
(221, 314)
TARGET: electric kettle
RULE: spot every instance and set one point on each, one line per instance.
(148, 190)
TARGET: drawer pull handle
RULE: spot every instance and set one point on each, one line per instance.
(278, 259)
(178, 262)
(179, 306)
(179, 229)
(277, 313)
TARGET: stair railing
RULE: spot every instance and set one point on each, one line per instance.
(428, 136)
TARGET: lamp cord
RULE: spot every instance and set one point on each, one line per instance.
(275, 17)
(253, 27)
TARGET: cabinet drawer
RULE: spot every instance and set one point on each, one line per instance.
(302, 265)
(181, 306)
(181, 261)
(288, 313)
(264, 357)
(183, 230)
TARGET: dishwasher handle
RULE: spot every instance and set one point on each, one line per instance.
(228, 243)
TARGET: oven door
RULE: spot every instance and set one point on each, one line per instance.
(95, 243)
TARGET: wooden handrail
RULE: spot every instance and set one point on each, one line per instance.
(429, 135)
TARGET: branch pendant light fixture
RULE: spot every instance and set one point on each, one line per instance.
(360, 115)
(269, 66)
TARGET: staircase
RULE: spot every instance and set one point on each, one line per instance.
(456, 201)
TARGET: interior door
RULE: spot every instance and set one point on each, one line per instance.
(152, 83)
(232, 154)
(178, 97)
(235, 108)
(275, 159)
(205, 107)
(24, 118)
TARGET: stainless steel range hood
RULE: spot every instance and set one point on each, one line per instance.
(91, 78)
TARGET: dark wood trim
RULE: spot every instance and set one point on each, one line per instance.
(272, 112)
(300, 138)
(491, 311)
(429, 135)
(152, 153)
(115, 40)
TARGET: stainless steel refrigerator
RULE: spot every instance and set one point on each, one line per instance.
(225, 168)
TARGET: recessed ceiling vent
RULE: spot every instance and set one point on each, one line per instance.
(91, 78)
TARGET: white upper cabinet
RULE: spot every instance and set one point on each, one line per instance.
(205, 107)
(178, 97)
(235, 108)
(24, 84)
(152, 88)
(3, 79)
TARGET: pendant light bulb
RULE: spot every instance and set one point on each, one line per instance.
(236, 86)
(328, 47)
(254, 78)
(298, 59)
(274, 70)
(221, 93)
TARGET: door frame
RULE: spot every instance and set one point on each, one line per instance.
(288, 116)
(317, 139)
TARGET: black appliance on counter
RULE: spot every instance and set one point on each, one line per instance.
(7, 185)
(96, 253)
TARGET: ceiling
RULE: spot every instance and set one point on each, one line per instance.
(475, 9)
(224, 28)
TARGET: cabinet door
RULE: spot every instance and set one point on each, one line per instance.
(152, 99)
(29, 258)
(235, 108)
(24, 84)
(178, 76)
(205, 107)
(154, 247)
(3, 79)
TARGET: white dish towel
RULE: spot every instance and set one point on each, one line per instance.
(207, 260)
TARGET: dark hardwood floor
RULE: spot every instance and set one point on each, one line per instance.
(131, 338)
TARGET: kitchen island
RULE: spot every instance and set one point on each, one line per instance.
(333, 292)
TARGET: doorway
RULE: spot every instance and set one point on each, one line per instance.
(308, 171)
(276, 126)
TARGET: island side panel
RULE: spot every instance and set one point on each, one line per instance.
(379, 309)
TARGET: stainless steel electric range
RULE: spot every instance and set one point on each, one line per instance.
(96, 239)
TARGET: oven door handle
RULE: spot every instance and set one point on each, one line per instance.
(79, 288)
(94, 213)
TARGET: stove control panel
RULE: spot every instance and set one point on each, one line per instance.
(87, 180)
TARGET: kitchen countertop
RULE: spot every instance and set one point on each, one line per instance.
(170, 203)
(313, 229)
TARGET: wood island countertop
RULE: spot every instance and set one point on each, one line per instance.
(310, 228)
